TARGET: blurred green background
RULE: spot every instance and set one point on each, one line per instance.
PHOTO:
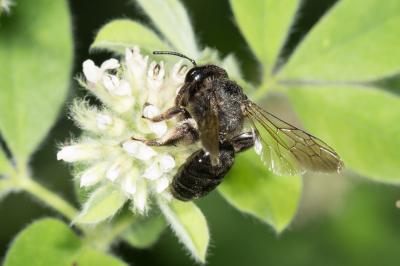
(343, 220)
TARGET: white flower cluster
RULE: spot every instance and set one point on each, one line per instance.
(129, 90)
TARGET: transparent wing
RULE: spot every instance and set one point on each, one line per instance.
(287, 150)
(209, 129)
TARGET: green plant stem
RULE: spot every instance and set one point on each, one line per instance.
(48, 197)
(104, 235)
(120, 227)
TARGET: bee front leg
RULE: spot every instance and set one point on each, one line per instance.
(186, 132)
(243, 141)
(168, 114)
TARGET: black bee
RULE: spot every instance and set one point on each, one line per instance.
(213, 109)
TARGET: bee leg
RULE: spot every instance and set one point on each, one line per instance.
(186, 132)
(243, 141)
(169, 113)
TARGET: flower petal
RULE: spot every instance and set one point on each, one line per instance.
(155, 75)
(162, 184)
(144, 152)
(138, 150)
(91, 71)
(92, 175)
(150, 111)
(136, 63)
(111, 82)
(158, 128)
(167, 163)
(111, 63)
(124, 89)
(156, 71)
(103, 121)
(89, 179)
(129, 185)
(178, 73)
(131, 146)
(140, 197)
(153, 172)
(77, 152)
(113, 172)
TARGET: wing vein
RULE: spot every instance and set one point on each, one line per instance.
(295, 150)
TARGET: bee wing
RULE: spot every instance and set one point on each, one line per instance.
(287, 150)
(209, 129)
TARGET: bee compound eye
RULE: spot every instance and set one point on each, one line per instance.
(197, 77)
(193, 75)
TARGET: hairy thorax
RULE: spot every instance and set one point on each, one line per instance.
(228, 97)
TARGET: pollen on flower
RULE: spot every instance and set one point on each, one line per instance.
(108, 152)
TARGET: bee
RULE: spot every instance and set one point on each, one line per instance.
(213, 109)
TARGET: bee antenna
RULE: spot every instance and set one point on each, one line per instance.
(176, 54)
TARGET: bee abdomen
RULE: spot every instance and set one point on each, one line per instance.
(197, 177)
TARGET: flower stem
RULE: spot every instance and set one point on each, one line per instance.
(121, 226)
(48, 197)
(103, 236)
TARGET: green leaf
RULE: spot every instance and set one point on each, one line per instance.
(390, 84)
(6, 186)
(361, 124)
(264, 24)
(251, 188)
(51, 242)
(144, 232)
(356, 40)
(45, 242)
(231, 65)
(82, 193)
(36, 58)
(102, 204)
(189, 225)
(124, 33)
(90, 257)
(5, 164)
(171, 19)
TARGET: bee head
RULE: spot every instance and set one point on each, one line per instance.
(200, 73)
(197, 73)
